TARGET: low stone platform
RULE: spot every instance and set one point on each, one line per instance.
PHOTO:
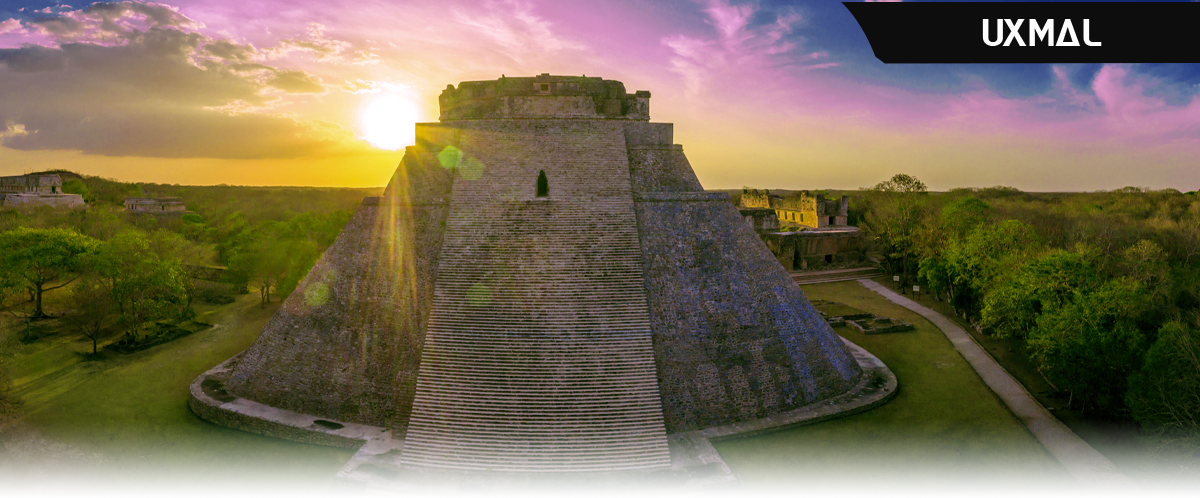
(880, 325)
(695, 464)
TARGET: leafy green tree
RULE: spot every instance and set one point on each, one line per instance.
(43, 259)
(963, 215)
(1164, 399)
(301, 255)
(1164, 395)
(974, 264)
(262, 263)
(1145, 262)
(1090, 346)
(1044, 284)
(92, 310)
(76, 186)
(895, 216)
(144, 286)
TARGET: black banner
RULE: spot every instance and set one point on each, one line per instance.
(1030, 32)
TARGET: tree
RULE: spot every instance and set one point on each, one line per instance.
(261, 263)
(144, 287)
(1164, 395)
(1042, 285)
(1189, 238)
(1164, 399)
(1090, 346)
(1145, 262)
(92, 310)
(301, 255)
(41, 257)
(895, 215)
(974, 264)
(963, 215)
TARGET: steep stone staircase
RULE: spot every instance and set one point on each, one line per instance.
(538, 354)
(818, 277)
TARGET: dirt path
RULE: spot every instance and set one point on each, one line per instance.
(1082, 461)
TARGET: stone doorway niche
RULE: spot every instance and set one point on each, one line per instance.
(543, 185)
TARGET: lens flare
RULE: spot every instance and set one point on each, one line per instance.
(388, 122)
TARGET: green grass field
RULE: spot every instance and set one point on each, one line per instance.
(943, 423)
(128, 415)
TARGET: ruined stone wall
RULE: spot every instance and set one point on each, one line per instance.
(752, 198)
(760, 219)
(734, 336)
(155, 204)
(38, 184)
(800, 250)
(838, 209)
(543, 96)
(346, 343)
(68, 201)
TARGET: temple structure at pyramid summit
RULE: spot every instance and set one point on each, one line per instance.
(543, 287)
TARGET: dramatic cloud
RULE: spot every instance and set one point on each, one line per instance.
(786, 93)
(164, 91)
(107, 22)
(11, 26)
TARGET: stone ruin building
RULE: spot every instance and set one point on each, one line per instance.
(803, 230)
(37, 190)
(801, 210)
(544, 286)
(155, 205)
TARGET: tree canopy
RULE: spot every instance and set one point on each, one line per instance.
(42, 259)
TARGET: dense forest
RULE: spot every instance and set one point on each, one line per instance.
(1101, 288)
(117, 274)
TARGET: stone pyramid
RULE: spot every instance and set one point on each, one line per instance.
(544, 286)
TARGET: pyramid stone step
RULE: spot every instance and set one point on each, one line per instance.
(538, 355)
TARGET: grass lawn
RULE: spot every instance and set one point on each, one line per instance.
(127, 415)
(944, 423)
(1134, 455)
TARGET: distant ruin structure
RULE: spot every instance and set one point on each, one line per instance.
(155, 205)
(803, 230)
(37, 190)
(544, 286)
(800, 210)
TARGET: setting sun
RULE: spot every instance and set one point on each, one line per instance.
(388, 122)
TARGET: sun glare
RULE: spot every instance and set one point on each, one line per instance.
(388, 122)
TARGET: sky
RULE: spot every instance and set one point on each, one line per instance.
(774, 94)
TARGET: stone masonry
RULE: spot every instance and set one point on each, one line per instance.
(503, 328)
(37, 190)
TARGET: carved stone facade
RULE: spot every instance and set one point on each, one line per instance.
(155, 205)
(37, 190)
